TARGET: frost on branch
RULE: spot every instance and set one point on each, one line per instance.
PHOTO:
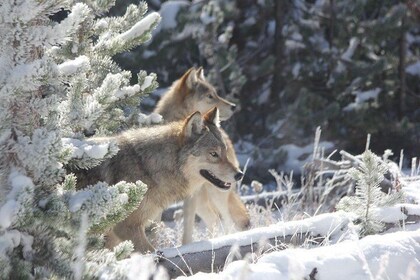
(137, 34)
(100, 98)
(106, 205)
(86, 154)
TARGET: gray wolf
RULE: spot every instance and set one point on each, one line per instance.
(172, 159)
(190, 93)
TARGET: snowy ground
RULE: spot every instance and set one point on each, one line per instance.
(392, 254)
(389, 256)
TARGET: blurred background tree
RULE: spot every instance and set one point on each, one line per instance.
(351, 68)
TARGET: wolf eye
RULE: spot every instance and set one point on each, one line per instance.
(214, 154)
(210, 96)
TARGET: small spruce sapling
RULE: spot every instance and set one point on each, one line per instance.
(369, 197)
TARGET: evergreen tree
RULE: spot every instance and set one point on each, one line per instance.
(369, 197)
(58, 82)
(347, 68)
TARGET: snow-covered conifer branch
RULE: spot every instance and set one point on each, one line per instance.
(106, 205)
(85, 154)
(137, 34)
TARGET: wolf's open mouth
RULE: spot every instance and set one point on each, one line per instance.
(214, 180)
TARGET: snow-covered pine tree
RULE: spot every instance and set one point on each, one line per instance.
(369, 197)
(47, 228)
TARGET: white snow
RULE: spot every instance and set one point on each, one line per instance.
(264, 95)
(413, 69)
(294, 45)
(153, 118)
(127, 91)
(296, 70)
(123, 198)
(96, 151)
(169, 11)
(348, 54)
(361, 98)
(147, 82)
(389, 256)
(206, 18)
(8, 210)
(78, 64)
(140, 267)
(394, 254)
(7, 213)
(333, 224)
(18, 182)
(412, 191)
(8, 240)
(101, 24)
(79, 148)
(298, 156)
(271, 27)
(12, 238)
(393, 213)
(26, 241)
(77, 200)
(140, 27)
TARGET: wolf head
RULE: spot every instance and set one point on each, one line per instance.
(204, 152)
(197, 94)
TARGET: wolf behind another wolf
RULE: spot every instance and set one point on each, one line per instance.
(192, 93)
(173, 160)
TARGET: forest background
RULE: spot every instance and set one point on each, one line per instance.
(291, 66)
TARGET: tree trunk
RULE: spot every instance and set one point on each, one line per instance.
(401, 69)
(277, 84)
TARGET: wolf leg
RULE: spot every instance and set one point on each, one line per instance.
(133, 227)
(206, 208)
(220, 201)
(238, 211)
(111, 240)
(189, 210)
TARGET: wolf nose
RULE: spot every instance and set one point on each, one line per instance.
(232, 107)
(239, 176)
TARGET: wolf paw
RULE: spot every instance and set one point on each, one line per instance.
(159, 256)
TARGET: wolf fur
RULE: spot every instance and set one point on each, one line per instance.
(190, 93)
(172, 159)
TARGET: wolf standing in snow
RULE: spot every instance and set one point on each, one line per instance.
(173, 160)
(190, 93)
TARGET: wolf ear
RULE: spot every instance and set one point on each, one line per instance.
(188, 79)
(212, 116)
(193, 125)
(192, 78)
(200, 74)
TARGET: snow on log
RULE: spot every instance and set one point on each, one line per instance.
(212, 255)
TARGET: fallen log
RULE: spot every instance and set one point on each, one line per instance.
(212, 255)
